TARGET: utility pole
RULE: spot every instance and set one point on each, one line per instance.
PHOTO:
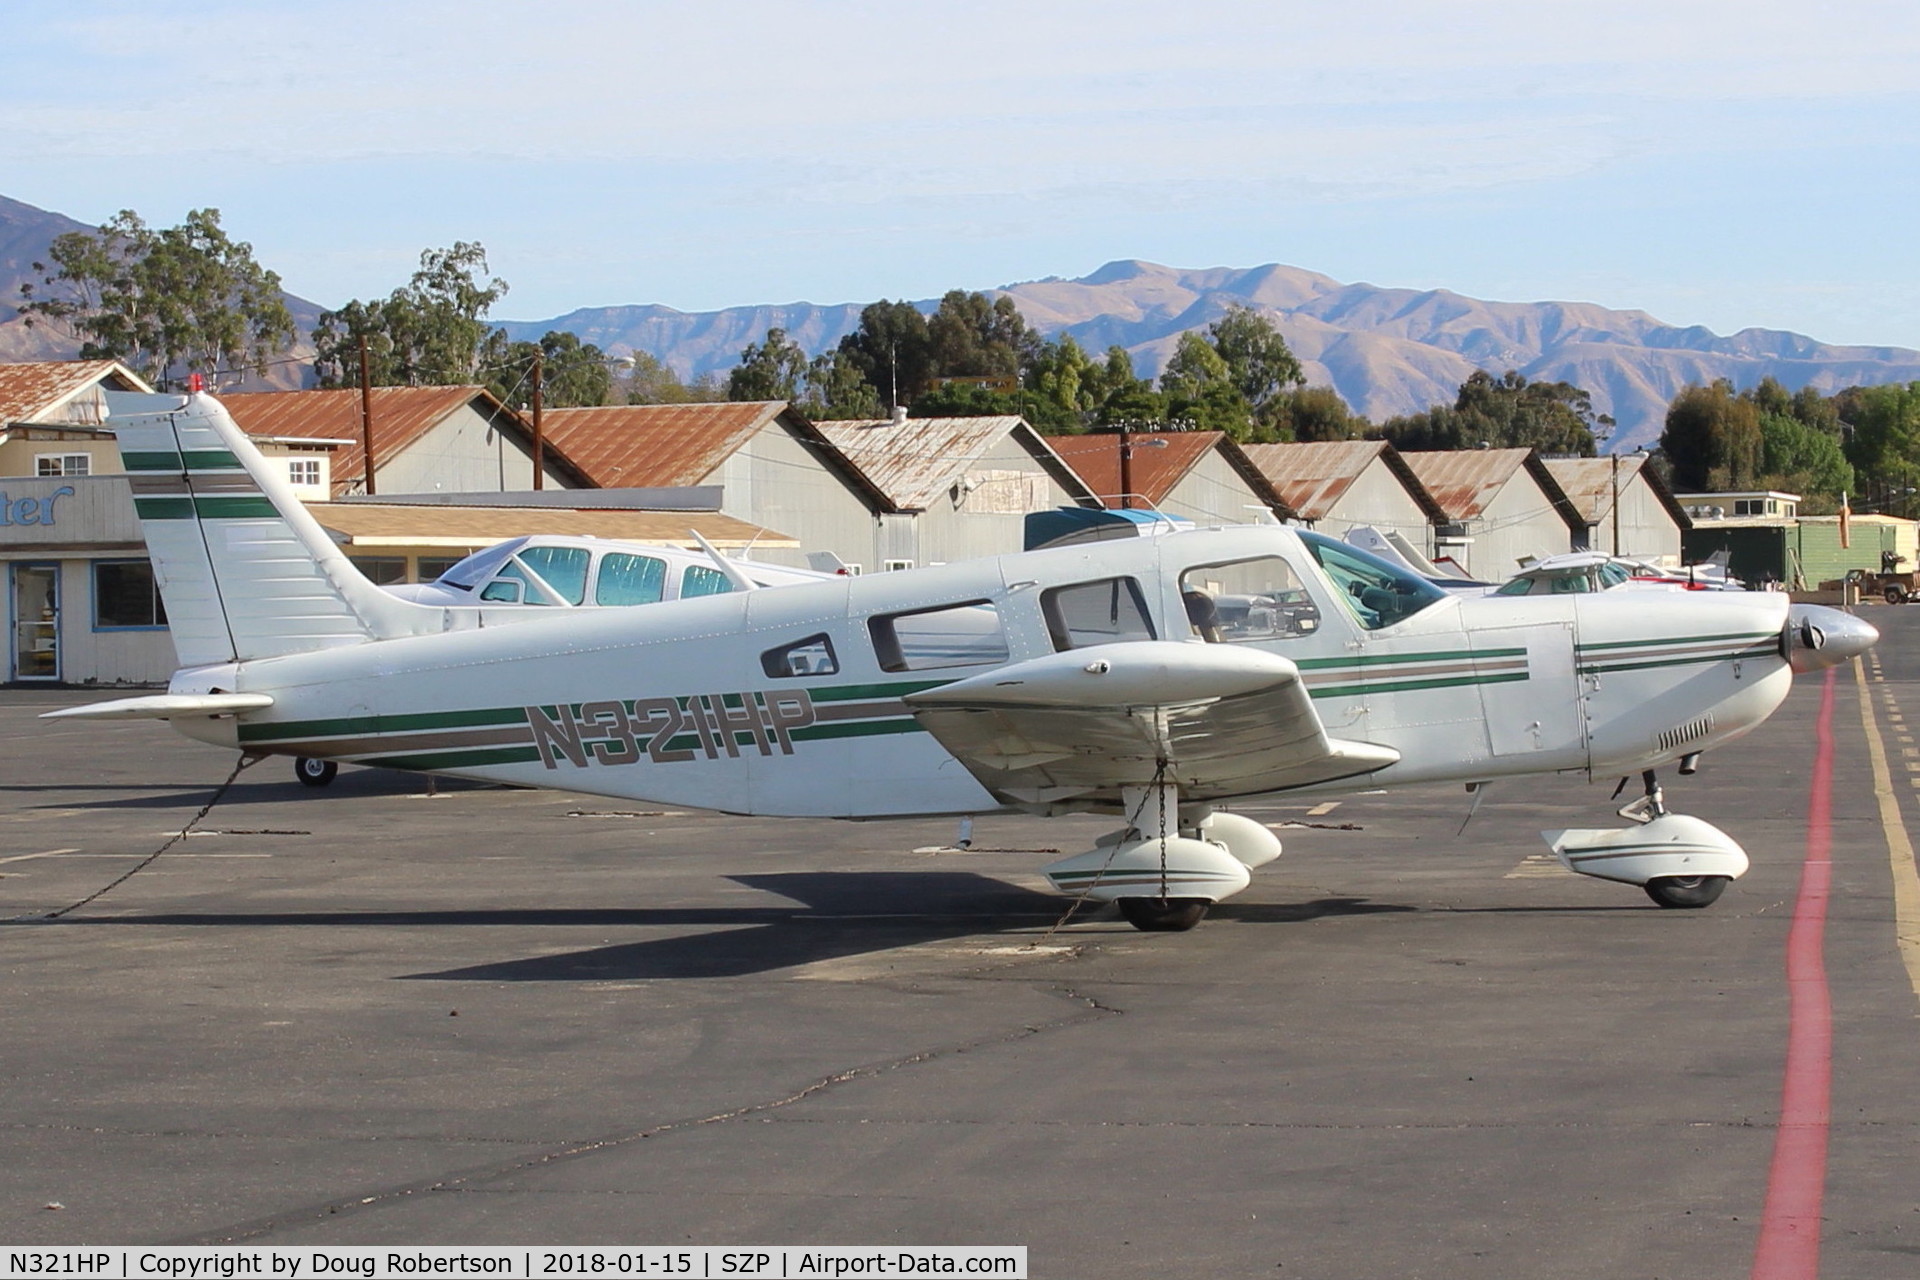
(1126, 468)
(366, 421)
(1616, 504)
(539, 441)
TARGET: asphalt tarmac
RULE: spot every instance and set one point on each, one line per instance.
(373, 1015)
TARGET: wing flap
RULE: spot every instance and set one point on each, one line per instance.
(1226, 720)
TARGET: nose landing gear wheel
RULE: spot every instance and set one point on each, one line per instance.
(1164, 915)
(1685, 891)
(314, 773)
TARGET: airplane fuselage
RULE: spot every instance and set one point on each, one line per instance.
(788, 701)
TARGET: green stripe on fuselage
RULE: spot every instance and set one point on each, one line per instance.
(359, 726)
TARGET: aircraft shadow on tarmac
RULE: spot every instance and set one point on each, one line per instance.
(835, 915)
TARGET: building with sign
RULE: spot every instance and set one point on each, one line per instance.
(79, 590)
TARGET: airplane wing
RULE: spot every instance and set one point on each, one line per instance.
(1227, 720)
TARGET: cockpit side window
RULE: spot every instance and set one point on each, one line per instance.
(1089, 613)
(562, 568)
(1246, 600)
(967, 634)
(1378, 594)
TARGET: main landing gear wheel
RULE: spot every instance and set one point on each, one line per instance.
(1685, 891)
(1164, 915)
(314, 773)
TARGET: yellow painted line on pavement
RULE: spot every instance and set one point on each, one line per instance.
(1906, 878)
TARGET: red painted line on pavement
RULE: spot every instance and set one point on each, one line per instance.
(1789, 1247)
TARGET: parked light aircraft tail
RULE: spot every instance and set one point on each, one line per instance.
(1153, 679)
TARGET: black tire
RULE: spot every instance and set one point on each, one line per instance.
(312, 772)
(1895, 593)
(1685, 891)
(1164, 915)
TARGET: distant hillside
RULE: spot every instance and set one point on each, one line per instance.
(1387, 351)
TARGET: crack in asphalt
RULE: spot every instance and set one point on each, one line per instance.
(474, 1179)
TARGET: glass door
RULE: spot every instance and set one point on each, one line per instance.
(36, 622)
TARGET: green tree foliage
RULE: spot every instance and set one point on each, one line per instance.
(1802, 459)
(1232, 378)
(168, 302)
(640, 378)
(1314, 413)
(1712, 439)
(1257, 357)
(775, 369)
(1884, 446)
(837, 389)
(572, 373)
(430, 332)
(1507, 412)
(971, 337)
(892, 350)
(1717, 439)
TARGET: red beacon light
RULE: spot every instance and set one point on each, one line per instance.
(195, 384)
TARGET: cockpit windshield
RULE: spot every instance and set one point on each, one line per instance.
(1378, 593)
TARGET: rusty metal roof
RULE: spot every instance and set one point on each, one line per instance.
(916, 461)
(1589, 484)
(655, 445)
(367, 525)
(401, 416)
(1465, 481)
(672, 445)
(1313, 476)
(37, 392)
(1158, 468)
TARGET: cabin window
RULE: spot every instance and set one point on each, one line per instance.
(699, 580)
(627, 579)
(1089, 613)
(562, 568)
(810, 657)
(503, 590)
(1247, 600)
(124, 596)
(1377, 593)
(968, 634)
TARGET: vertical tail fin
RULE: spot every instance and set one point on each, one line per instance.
(244, 570)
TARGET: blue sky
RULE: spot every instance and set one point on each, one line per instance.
(1725, 164)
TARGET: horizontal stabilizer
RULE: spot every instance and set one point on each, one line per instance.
(165, 706)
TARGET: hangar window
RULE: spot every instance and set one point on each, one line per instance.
(968, 634)
(1089, 613)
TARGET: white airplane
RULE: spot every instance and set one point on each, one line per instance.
(1153, 679)
(561, 571)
